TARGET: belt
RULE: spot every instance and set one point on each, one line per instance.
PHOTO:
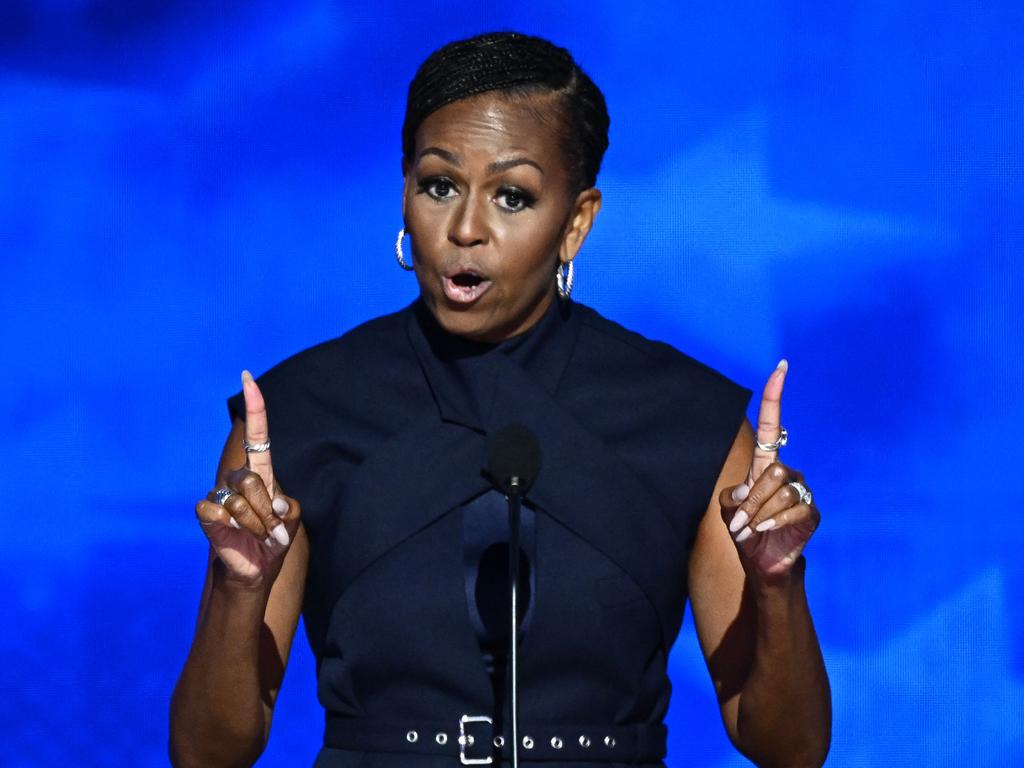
(472, 739)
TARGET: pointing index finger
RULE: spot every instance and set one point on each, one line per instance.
(769, 420)
(257, 431)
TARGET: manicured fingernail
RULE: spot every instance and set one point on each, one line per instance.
(281, 534)
(233, 523)
(766, 525)
(740, 492)
(745, 534)
(280, 506)
(269, 541)
(783, 365)
(246, 376)
(738, 521)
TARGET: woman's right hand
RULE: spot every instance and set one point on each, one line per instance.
(253, 528)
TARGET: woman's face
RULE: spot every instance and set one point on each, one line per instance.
(490, 212)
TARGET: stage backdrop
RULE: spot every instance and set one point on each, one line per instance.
(188, 189)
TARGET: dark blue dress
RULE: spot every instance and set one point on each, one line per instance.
(381, 435)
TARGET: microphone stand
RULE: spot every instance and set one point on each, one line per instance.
(513, 455)
(513, 576)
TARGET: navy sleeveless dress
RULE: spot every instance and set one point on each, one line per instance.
(381, 435)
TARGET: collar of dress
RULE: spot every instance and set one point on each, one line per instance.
(465, 377)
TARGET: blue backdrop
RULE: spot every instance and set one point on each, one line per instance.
(187, 189)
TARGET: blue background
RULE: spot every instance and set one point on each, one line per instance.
(188, 188)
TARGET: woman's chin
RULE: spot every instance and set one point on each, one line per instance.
(466, 321)
(481, 320)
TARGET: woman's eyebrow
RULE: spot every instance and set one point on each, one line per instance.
(496, 167)
(504, 165)
(444, 154)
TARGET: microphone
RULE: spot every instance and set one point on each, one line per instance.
(513, 460)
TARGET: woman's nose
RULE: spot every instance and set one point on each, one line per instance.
(468, 225)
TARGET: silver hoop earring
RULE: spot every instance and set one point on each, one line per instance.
(398, 252)
(563, 279)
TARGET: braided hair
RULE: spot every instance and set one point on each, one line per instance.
(519, 66)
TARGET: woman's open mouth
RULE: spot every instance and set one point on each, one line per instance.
(466, 286)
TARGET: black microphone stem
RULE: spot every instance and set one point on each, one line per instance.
(514, 460)
(513, 577)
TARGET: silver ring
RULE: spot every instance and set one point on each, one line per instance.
(255, 447)
(805, 495)
(221, 495)
(783, 439)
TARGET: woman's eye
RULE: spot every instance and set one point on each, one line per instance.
(439, 189)
(515, 200)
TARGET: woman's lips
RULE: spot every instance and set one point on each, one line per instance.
(465, 288)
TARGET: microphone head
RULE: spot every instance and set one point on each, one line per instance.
(513, 451)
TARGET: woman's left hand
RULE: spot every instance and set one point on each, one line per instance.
(769, 518)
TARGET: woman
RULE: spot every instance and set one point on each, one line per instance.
(651, 490)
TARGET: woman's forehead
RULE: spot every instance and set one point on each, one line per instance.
(495, 122)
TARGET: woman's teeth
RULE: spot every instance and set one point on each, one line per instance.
(465, 287)
(467, 279)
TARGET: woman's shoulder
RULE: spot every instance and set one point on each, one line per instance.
(605, 344)
(381, 337)
(345, 363)
(669, 416)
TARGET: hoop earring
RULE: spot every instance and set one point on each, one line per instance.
(398, 252)
(564, 279)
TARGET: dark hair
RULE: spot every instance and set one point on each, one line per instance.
(517, 65)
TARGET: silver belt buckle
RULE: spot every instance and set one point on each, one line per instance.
(466, 740)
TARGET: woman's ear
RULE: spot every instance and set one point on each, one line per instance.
(581, 219)
(405, 184)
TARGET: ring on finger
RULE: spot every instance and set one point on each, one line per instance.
(256, 447)
(222, 494)
(805, 494)
(774, 446)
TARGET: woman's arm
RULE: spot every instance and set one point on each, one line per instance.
(751, 613)
(222, 706)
